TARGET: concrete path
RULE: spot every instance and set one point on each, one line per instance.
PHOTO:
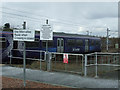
(57, 78)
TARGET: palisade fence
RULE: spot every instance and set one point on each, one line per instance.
(92, 64)
(100, 63)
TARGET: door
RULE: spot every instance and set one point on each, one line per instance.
(86, 45)
(60, 45)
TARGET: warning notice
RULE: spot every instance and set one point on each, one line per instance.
(23, 35)
(46, 33)
(65, 58)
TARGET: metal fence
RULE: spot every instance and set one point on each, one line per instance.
(17, 55)
(92, 64)
(75, 63)
(99, 63)
(54, 61)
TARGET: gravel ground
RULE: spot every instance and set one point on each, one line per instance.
(18, 83)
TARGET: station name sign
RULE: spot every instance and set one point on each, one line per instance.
(23, 35)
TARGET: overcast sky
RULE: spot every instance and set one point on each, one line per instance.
(70, 17)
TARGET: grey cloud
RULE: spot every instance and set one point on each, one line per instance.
(90, 15)
(100, 15)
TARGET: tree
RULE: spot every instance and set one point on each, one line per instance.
(6, 26)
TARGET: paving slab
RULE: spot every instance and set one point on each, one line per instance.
(58, 78)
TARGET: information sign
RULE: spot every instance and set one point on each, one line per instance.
(46, 32)
(23, 35)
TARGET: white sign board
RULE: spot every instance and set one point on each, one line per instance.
(46, 32)
(23, 35)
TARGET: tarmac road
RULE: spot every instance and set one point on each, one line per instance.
(57, 78)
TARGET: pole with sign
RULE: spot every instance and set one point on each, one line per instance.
(46, 33)
(46, 46)
(24, 35)
(24, 52)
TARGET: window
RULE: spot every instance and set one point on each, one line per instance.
(97, 43)
(50, 43)
(62, 44)
(58, 42)
(79, 42)
(34, 44)
(71, 42)
(43, 44)
(92, 42)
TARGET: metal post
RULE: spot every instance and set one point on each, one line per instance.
(47, 57)
(40, 59)
(102, 59)
(24, 65)
(118, 56)
(76, 59)
(85, 72)
(48, 62)
(24, 57)
(55, 61)
(82, 65)
(10, 56)
(65, 66)
(109, 59)
(107, 45)
(96, 76)
(47, 46)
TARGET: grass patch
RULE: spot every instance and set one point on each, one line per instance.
(33, 65)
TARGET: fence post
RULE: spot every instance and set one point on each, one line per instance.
(40, 60)
(55, 60)
(85, 71)
(45, 56)
(76, 59)
(96, 76)
(49, 61)
(82, 65)
(113, 59)
(10, 57)
(102, 59)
